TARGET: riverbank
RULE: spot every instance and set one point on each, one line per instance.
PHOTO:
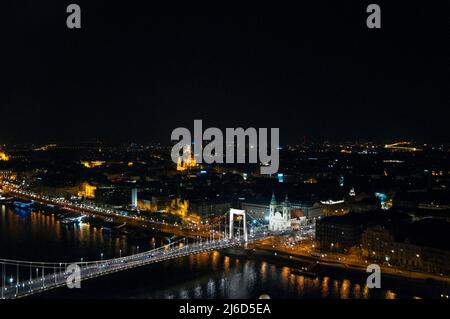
(133, 221)
(319, 267)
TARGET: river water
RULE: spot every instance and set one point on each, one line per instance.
(38, 237)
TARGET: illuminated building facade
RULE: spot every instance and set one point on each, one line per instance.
(3, 156)
(87, 191)
(183, 165)
(379, 244)
(171, 206)
(134, 198)
(279, 215)
(259, 209)
(92, 164)
(178, 207)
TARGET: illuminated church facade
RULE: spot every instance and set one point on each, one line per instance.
(188, 163)
(279, 215)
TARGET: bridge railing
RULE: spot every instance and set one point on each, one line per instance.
(42, 276)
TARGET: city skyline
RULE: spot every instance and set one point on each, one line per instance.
(132, 206)
(240, 152)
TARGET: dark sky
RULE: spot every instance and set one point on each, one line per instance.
(134, 72)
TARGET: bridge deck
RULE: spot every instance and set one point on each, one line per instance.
(59, 276)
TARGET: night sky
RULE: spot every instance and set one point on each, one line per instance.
(134, 72)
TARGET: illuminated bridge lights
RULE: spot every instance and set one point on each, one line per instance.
(402, 146)
(52, 275)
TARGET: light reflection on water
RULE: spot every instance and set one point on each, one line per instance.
(35, 236)
(247, 279)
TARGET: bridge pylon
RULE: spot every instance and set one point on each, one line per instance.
(238, 212)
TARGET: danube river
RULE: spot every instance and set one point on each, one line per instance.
(38, 237)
